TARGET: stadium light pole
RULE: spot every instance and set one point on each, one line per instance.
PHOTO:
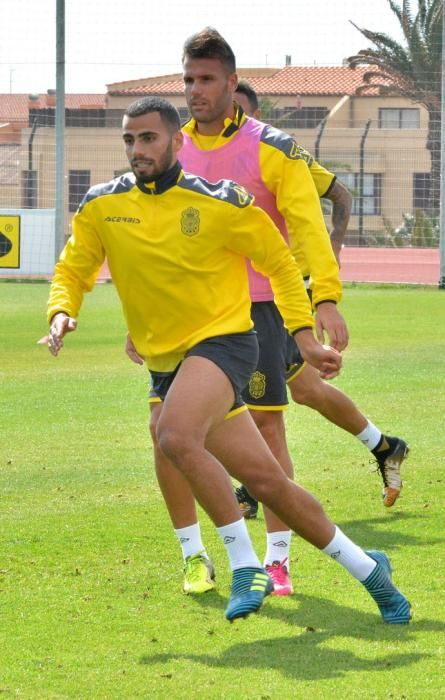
(442, 166)
(60, 128)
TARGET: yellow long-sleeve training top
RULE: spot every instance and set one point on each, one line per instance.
(175, 249)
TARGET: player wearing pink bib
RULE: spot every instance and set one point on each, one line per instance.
(220, 141)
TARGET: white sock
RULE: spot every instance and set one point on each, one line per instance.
(370, 436)
(278, 546)
(239, 548)
(349, 555)
(190, 540)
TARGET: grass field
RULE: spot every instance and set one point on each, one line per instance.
(90, 574)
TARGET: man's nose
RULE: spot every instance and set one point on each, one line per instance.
(138, 149)
(195, 89)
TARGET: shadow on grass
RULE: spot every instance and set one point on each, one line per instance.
(303, 656)
(381, 532)
(328, 618)
(293, 658)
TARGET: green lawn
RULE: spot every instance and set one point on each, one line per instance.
(90, 574)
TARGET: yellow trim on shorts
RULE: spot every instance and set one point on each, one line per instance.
(297, 372)
(252, 407)
(230, 414)
(235, 411)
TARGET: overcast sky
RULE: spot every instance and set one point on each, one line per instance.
(110, 40)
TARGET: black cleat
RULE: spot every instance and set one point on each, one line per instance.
(390, 455)
(248, 505)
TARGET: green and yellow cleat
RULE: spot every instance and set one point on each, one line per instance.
(199, 574)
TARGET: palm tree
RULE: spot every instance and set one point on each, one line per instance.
(411, 70)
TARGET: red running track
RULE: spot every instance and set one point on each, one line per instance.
(396, 265)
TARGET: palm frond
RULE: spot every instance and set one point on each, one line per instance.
(414, 66)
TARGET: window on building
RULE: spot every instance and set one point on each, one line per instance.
(78, 185)
(399, 118)
(292, 118)
(421, 190)
(372, 191)
(42, 117)
(113, 117)
(86, 118)
(73, 117)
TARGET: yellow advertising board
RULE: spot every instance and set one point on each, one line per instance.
(9, 241)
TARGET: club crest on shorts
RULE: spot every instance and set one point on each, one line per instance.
(257, 385)
(190, 221)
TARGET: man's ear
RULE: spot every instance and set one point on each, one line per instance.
(178, 140)
(233, 82)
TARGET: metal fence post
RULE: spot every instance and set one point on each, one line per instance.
(442, 167)
(318, 139)
(361, 180)
(60, 129)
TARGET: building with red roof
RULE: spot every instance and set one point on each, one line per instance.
(318, 105)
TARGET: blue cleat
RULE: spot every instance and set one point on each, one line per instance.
(250, 585)
(393, 606)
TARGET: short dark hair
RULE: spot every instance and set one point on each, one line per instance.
(168, 112)
(246, 89)
(208, 43)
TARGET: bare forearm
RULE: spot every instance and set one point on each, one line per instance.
(340, 219)
(341, 211)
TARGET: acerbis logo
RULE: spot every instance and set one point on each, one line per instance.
(228, 540)
(122, 219)
(280, 543)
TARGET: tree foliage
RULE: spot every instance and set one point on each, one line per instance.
(411, 69)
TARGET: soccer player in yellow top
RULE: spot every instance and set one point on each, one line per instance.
(220, 141)
(306, 387)
(175, 244)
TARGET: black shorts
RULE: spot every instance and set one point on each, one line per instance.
(279, 360)
(236, 354)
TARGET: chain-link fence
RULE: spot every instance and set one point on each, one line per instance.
(382, 145)
(386, 170)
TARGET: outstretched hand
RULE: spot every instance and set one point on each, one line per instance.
(61, 324)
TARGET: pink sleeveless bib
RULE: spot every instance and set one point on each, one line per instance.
(238, 160)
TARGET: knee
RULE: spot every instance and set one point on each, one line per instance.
(169, 440)
(180, 445)
(308, 393)
(267, 485)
